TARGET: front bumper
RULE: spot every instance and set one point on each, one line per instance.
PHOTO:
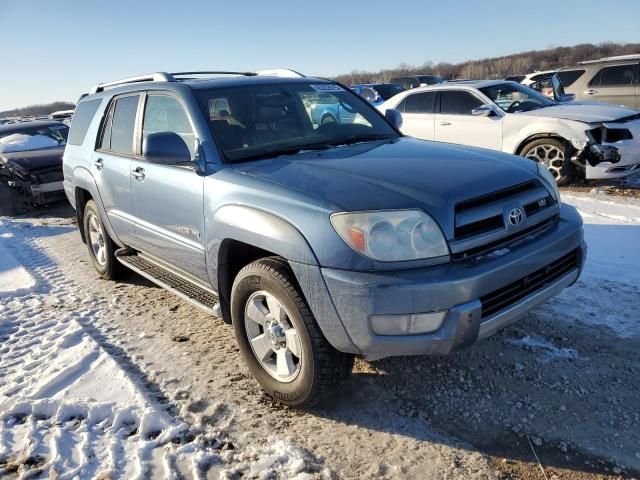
(456, 288)
(626, 163)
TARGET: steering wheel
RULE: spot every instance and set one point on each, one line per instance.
(511, 108)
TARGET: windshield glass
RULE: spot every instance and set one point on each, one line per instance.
(388, 90)
(33, 138)
(430, 79)
(513, 97)
(261, 121)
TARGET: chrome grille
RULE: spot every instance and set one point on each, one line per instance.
(481, 223)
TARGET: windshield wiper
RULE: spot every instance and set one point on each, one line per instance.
(281, 152)
(360, 139)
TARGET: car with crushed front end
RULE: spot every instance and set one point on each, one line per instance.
(31, 164)
(316, 242)
(572, 139)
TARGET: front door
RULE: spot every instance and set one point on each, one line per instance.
(111, 164)
(168, 199)
(455, 123)
(418, 115)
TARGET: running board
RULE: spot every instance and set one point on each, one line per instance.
(206, 300)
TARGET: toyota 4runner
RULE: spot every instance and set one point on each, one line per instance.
(317, 242)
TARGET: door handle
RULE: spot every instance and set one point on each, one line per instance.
(591, 91)
(445, 124)
(99, 163)
(138, 174)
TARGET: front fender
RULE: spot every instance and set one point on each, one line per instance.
(514, 136)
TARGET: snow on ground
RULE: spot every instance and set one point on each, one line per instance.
(68, 409)
(611, 279)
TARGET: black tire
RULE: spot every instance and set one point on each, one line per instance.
(10, 203)
(558, 155)
(108, 267)
(321, 368)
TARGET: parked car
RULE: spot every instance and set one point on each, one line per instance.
(593, 140)
(30, 164)
(614, 80)
(515, 78)
(377, 93)
(327, 108)
(414, 81)
(534, 77)
(317, 242)
(63, 116)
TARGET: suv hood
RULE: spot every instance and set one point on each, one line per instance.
(405, 173)
(587, 112)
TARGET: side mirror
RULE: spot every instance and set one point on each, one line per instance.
(165, 148)
(485, 110)
(394, 117)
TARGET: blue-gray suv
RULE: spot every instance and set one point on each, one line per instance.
(317, 242)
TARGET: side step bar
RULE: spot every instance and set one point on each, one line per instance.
(200, 297)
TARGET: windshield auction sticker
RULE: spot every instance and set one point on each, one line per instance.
(327, 88)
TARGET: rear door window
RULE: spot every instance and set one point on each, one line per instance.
(123, 124)
(419, 103)
(82, 117)
(458, 102)
(615, 75)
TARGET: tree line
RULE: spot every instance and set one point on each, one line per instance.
(37, 110)
(499, 67)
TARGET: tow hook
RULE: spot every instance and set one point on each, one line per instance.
(602, 153)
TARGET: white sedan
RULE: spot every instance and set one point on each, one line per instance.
(570, 138)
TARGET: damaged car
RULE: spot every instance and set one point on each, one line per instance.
(572, 139)
(31, 164)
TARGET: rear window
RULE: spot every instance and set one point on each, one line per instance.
(569, 77)
(82, 117)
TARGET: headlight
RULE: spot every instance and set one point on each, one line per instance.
(391, 235)
(549, 180)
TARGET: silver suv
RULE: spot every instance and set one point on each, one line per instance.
(613, 80)
(316, 241)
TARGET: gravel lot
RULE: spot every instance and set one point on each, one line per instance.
(561, 384)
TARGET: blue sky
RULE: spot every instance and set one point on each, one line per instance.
(58, 50)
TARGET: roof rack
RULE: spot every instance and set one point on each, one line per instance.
(617, 58)
(173, 77)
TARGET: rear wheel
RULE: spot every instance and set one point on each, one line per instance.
(101, 247)
(279, 338)
(553, 154)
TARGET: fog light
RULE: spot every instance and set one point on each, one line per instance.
(407, 324)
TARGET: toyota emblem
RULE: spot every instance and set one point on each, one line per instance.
(516, 216)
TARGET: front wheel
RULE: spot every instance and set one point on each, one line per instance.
(553, 154)
(279, 338)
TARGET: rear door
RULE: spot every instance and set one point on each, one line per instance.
(111, 164)
(455, 124)
(615, 84)
(418, 115)
(168, 199)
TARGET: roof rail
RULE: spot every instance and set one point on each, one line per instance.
(152, 77)
(279, 72)
(171, 77)
(617, 58)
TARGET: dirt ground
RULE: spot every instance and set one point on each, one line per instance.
(549, 397)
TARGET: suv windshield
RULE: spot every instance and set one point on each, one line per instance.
(388, 90)
(513, 97)
(33, 138)
(251, 122)
(430, 79)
